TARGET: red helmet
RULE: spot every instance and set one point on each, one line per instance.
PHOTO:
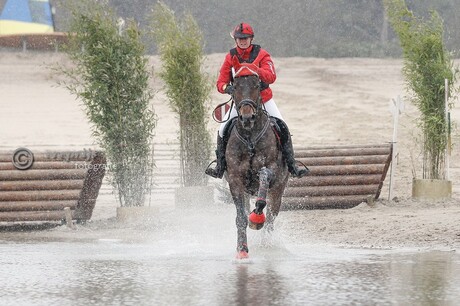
(243, 30)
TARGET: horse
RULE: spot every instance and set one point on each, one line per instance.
(255, 166)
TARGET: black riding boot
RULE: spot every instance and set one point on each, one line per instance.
(288, 150)
(221, 164)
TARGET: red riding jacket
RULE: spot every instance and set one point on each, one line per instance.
(254, 54)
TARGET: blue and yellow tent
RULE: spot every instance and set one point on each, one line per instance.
(26, 17)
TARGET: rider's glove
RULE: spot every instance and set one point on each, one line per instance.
(229, 89)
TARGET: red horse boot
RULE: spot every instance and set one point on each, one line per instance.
(257, 216)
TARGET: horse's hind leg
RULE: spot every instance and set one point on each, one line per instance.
(257, 217)
(273, 209)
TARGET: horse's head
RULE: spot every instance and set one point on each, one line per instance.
(246, 96)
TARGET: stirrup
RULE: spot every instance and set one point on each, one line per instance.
(296, 172)
(212, 171)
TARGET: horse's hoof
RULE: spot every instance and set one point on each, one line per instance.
(242, 251)
(256, 221)
(242, 255)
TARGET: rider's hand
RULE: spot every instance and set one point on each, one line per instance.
(229, 89)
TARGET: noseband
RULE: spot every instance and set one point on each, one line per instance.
(248, 102)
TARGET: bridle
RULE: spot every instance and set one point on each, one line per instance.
(256, 107)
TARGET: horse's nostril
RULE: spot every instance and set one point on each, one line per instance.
(253, 117)
(241, 118)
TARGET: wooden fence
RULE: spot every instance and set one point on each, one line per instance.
(51, 183)
(34, 41)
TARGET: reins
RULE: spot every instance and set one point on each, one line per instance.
(256, 108)
(219, 106)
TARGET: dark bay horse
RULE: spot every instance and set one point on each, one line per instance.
(255, 166)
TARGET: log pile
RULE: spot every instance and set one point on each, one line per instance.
(54, 181)
(340, 176)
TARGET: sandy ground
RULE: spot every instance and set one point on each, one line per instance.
(324, 101)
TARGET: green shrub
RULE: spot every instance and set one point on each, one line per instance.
(427, 64)
(180, 45)
(110, 75)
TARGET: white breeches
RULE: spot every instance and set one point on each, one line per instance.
(270, 107)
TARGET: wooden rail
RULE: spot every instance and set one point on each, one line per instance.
(340, 176)
(34, 41)
(53, 182)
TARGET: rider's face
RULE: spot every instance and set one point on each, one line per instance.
(243, 43)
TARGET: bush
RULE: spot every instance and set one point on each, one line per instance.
(187, 88)
(427, 64)
(111, 77)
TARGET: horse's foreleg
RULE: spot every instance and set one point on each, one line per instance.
(241, 225)
(257, 217)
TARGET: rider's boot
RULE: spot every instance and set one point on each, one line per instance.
(288, 151)
(221, 164)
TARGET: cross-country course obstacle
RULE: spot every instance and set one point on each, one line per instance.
(49, 186)
(340, 176)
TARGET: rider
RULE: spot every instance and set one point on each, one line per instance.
(248, 52)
